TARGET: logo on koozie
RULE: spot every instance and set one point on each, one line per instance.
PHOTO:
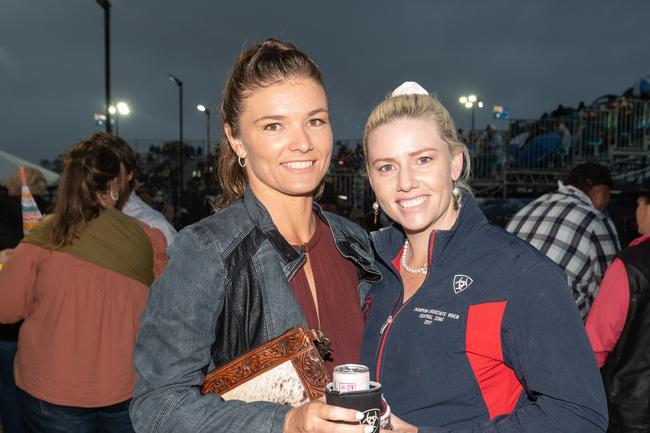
(371, 418)
(461, 282)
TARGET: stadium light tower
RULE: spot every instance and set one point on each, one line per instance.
(471, 102)
(179, 83)
(205, 110)
(121, 108)
(106, 5)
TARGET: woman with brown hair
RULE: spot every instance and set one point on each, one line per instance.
(79, 280)
(268, 260)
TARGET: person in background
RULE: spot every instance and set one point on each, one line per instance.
(618, 327)
(268, 260)
(130, 203)
(11, 223)
(79, 280)
(471, 329)
(569, 226)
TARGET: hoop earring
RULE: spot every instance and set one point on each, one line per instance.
(115, 195)
(239, 161)
(455, 195)
(375, 210)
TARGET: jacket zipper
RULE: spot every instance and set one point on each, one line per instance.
(384, 331)
(385, 328)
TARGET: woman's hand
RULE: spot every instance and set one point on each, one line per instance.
(400, 426)
(317, 417)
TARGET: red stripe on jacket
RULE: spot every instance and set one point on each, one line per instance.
(498, 383)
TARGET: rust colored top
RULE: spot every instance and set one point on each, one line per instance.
(81, 320)
(339, 308)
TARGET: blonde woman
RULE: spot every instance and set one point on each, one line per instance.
(471, 329)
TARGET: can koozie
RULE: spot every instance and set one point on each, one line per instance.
(367, 402)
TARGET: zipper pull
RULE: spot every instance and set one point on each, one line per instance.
(385, 325)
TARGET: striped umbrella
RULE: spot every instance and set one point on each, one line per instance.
(31, 213)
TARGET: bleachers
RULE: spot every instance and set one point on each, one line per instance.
(523, 160)
(615, 132)
(531, 155)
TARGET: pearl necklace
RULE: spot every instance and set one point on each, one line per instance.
(421, 270)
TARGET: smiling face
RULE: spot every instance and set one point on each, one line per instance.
(285, 137)
(412, 171)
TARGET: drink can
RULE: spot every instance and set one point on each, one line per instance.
(351, 377)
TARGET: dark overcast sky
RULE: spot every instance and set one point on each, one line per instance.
(529, 55)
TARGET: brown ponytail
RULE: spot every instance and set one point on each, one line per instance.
(89, 166)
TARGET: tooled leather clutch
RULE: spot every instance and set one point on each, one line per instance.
(287, 370)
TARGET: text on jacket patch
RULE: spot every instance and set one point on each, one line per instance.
(430, 315)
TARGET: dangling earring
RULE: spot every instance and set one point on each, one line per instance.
(115, 195)
(375, 210)
(455, 195)
(241, 161)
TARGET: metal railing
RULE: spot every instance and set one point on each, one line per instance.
(606, 132)
(530, 155)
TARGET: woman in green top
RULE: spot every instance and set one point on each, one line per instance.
(79, 280)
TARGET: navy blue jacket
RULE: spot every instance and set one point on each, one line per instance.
(491, 342)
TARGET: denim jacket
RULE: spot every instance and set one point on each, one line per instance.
(225, 290)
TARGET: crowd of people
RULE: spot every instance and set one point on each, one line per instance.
(468, 327)
(612, 122)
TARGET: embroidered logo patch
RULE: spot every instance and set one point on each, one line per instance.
(461, 282)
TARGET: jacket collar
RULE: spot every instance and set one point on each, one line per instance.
(389, 241)
(343, 240)
(574, 192)
(262, 220)
(641, 239)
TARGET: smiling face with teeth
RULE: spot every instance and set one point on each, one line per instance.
(285, 137)
(411, 170)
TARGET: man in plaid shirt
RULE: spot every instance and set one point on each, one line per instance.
(569, 227)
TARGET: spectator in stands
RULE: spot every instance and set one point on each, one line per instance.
(268, 260)
(519, 133)
(11, 225)
(79, 280)
(130, 203)
(569, 226)
(619, 328)
(565, 138)
(562, 111)
(492, 137)
(493, 142)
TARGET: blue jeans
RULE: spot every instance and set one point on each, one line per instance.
(11, 412)
(44, 417)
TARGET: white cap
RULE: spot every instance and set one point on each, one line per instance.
(409, 88)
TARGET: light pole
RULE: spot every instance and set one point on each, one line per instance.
(205, 110)
(123, 109)
(106, 5)
(471, 102)
(179, 83)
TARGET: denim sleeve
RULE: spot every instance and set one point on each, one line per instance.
(545, 341)
(173, 349)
